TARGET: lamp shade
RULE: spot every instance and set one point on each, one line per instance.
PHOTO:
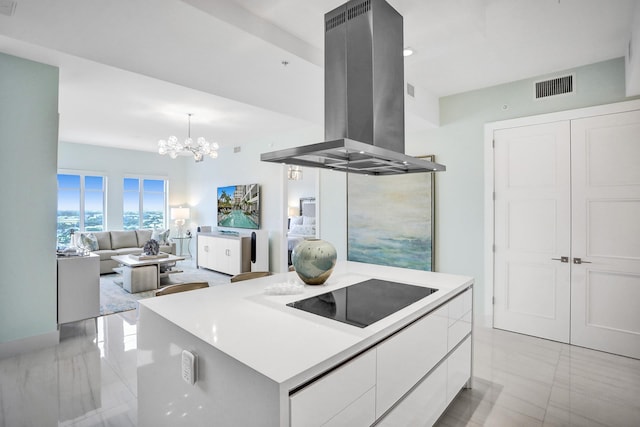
(293, 211)
(180, 213)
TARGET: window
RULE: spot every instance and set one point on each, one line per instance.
(80, 204)
(144, 203)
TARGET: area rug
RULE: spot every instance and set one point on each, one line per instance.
(114, 299)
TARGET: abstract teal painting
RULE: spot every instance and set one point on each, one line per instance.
(390, 219)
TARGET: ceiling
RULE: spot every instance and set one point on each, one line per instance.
(130, 71)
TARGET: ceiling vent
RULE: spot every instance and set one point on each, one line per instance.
(552, 87)
(7, 7)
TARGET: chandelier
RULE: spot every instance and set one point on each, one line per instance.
(199, 148)
(294, 173)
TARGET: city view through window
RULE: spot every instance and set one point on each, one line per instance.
(146, 208)
(81, 204)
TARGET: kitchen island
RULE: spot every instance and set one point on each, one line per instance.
(263, 363)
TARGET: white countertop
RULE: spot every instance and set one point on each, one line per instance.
(286, 344)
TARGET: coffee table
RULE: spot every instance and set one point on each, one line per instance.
(140, 275)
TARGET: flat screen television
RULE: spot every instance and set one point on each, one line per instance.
(239, 206)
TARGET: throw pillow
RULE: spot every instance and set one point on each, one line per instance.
(308, 220)
(304, 230)
(162, 237)
(89, 241)
(296, 220)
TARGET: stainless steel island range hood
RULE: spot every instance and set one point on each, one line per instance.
(364, 96)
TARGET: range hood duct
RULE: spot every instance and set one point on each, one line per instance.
(364, 96)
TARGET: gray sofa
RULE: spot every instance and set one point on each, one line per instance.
(111, 243)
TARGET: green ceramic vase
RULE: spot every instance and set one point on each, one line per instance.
(314, 260)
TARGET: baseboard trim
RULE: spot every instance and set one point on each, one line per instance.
(26, 345)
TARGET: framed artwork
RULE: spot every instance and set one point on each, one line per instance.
(390, 219)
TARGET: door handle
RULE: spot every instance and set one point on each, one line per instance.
(580, 261)
(561, 259)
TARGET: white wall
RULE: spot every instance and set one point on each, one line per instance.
(28, 103)
(459, 144)
(29, 139)
(116, 163)
(194, 184)
(633, 55)
(306, 187)
(332, 206)
(245, 167)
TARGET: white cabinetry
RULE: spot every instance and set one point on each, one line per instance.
(224, 253)
(78, 288)
(424, 405)
(406, 379)
(458, 369)
(292, 368)
(408, 356)
(339, 394)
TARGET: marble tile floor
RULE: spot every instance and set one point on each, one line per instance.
(525, 381)
(89, 379)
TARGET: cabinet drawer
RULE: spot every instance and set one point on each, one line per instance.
(459, 330)
(322, 400)
(460, 306)
(359, 413)
(424, 405)
(408, 356)
(459, 369)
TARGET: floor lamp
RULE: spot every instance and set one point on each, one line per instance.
(180, 216)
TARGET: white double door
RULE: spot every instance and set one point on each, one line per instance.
(567, 231)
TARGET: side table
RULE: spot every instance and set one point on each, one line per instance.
(181, 241)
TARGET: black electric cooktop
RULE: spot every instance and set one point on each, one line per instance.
(363, 303)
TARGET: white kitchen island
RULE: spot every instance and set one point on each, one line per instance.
(262, 363)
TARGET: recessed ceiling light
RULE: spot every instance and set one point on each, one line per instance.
(407, 51)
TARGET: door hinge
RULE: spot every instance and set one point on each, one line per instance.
(494, 196)
(493, 300)
(493, 143)
(493, 247)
